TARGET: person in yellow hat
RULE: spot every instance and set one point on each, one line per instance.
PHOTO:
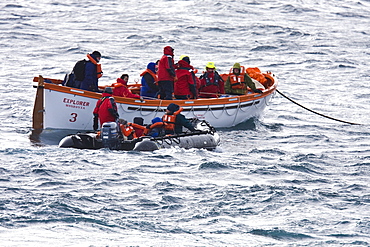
(211, 83)
(238, 81)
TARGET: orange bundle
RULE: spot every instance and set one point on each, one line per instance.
(256, 74)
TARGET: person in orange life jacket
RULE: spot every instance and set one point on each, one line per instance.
(139, 126)
(149, 87)
(92, 73)
(174, 120)
(127, 130)
(211, 83)
(238, 81)
(185, 86)
(166, 74)
(131, 130)
(105, 109)
(120, 88)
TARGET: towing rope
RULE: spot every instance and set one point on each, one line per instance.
(315, 111)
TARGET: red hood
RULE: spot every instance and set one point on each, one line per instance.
(119, 80)
(106, 95)
(184, 64)
(168, 50)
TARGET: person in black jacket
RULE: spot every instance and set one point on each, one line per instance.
(174, 120)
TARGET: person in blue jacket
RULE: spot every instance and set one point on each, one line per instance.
(92, 72)
(149, 86)
(156, 129)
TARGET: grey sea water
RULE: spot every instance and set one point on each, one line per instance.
(290, 178)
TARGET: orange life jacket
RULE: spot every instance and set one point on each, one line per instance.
(117, 84)
(155, 125)
(127, 130)
(137, 126)
(150, 73)
(237, 81)
(170, 120)
(98, 66)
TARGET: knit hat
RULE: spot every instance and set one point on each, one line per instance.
(236, 66)
(96, 54)
(173, 107)
(108, 90)
(156, 120)
(186, 59)
(139, 120)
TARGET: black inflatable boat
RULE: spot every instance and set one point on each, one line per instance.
(205, 137)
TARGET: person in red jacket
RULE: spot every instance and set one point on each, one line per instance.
(166, 74)
(211, 83)
(105, 109)
(185, 86)
(120, 88)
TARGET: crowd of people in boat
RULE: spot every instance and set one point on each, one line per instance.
(172, 122)
(168, 80)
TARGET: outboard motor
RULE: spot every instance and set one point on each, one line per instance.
(110, 135)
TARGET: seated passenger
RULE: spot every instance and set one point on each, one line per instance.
(129, 130)
(121, 89)
(174, 120)
(156, 129)
(238, 81)
(139, 126)
(211, 83)
(149, 87)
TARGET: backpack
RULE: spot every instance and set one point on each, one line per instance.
(79, 70)
(77, 74)
(69, 80)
